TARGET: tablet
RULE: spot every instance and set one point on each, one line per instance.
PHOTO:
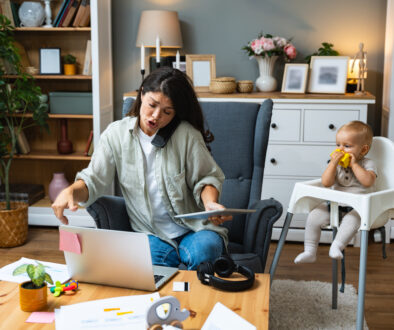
(207, 214)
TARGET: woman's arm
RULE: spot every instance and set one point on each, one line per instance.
(69, 199)
(209, 197)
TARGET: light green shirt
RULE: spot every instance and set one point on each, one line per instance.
(182, 168)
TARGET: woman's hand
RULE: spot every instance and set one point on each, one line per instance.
(65, 200)
(217, 220)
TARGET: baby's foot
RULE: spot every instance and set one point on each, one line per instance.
(305, 257)
(336, 251)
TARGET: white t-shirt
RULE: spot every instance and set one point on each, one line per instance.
(161, 217)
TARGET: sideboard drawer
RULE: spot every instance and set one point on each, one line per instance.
(297, 160)
(322, 125)
(285, 125)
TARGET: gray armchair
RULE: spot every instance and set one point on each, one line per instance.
(241, 133)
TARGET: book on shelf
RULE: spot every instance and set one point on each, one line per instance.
(91, 149)
(85, 19)
(7, 10)
(21, 142)
(15, 7)
(65, 13)
(87, 63)
(24, 192)
(60, 12)
(71, 13)
(89, 143)
(80, 13)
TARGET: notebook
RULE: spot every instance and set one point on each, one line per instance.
(116, 258)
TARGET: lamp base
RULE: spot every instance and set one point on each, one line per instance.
(351, 88)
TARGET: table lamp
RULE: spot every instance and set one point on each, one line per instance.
(158, 28)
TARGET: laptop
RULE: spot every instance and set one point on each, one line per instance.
(116, 258)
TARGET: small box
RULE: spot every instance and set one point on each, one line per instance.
(77, 103)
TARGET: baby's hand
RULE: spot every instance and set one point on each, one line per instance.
(353, 160)
(336, 157)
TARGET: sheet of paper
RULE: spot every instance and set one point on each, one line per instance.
(69, 242)
(41, 317)
(113, 313)
(58, 272)
(223, 318)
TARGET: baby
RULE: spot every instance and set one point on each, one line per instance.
(354, 138)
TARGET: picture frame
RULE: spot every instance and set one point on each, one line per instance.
(295, 77)
(50, 61)
(201, 69)
(182, 66)
(328, 74)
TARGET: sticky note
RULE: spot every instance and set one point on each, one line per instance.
(69, 242)
(180, 286)
(41, 317)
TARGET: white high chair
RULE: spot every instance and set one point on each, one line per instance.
(375, 209)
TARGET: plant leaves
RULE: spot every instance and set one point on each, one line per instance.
(20, 270)
(48, 278)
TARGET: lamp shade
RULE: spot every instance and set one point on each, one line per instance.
(159, 23)
(356, 69)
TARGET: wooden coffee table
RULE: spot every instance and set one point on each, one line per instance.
(252, 305)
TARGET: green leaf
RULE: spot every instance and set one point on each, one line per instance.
(48, 278)
(20, 270)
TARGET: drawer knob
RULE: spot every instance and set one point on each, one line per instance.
(273, 160)
(331, 126)
(273, 125)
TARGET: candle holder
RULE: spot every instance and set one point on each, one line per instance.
(157, 65)
(48, 14)
(142, 75)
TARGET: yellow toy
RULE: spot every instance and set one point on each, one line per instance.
(345, 160)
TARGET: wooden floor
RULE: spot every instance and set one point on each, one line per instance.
(379, 300)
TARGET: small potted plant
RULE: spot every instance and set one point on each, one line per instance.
(33, 294)
(70, 64)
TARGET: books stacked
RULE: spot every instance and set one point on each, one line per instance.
(24, 192)
(10, 9)
(73, 13)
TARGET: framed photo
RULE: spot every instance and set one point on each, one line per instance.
(182, 66)
(201, 69)
(328, 74)
(294, 78)
(50, 61)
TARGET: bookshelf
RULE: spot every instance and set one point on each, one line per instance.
(43, 160)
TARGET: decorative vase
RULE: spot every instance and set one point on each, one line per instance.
(31, 14)
(58, 183)
(266, 82)
(64, 146)
(31, 300)
(13, 224)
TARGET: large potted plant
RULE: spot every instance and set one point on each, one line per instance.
(19, 109)
(33, 293)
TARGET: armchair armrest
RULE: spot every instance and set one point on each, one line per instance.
(109, 212)
(258, 233)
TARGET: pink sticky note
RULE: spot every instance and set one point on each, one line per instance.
(69, 242)
(41, 317)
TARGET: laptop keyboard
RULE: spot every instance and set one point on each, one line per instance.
(158, 278)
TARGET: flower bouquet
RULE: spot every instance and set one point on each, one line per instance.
(267, 45)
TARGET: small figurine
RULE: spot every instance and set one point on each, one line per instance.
(59, 288)
(169, 313)
(345, 160)
(362, 68)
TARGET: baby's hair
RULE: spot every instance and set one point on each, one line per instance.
(363, 129)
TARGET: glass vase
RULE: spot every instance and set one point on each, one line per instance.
(58, 183)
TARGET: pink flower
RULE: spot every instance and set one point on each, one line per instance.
(267, 44)
(279, 41)
(290, 51)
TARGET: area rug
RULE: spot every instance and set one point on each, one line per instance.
(307, 305)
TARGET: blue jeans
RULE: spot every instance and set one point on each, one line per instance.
(193, 248)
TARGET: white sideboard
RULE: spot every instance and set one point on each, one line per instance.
(302, 136)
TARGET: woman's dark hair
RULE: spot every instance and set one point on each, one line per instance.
(178, 88)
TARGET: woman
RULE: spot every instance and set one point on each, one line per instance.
(164, 168)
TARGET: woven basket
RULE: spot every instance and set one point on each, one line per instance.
(245, 86)
(13, 224)
(223, 85)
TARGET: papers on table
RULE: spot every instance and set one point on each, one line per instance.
(58, 272)
(113, 313)
(223, 318)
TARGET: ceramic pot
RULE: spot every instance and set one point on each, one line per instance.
(266, 82)
(31, 14)
(13, 224)
(58, 183)
(64, 146)
(31, 300)
(70, 69)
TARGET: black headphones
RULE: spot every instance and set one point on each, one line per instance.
(224, 266)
